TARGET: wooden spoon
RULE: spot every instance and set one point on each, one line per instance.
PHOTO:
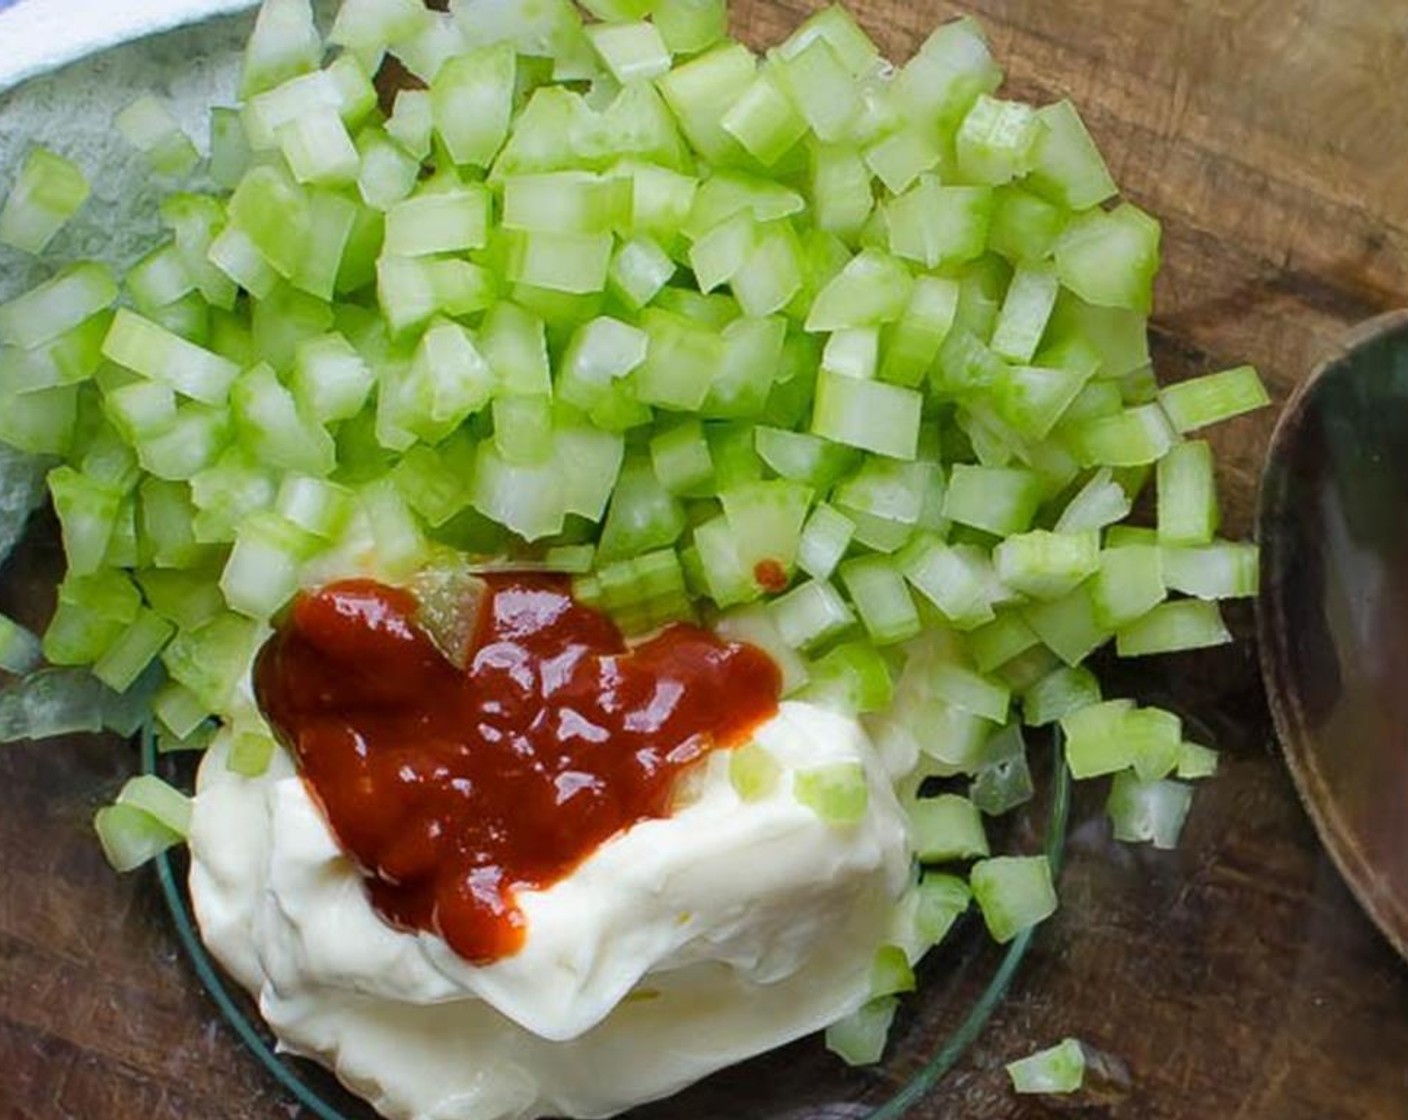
(1333, 609)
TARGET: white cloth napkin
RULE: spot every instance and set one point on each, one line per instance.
(41, 35)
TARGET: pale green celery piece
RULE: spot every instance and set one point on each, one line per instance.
(1004, 780)
(837, 793)
(941, 901)
(643, 515)
(158, 279)
(951, 69)
(1068, 626)
(273, 212)
(284, 43)
(319, 149)
(1221, 570)
(1046, 565)
(186, 444)
(250, 754)
(565, 202)
(841, 194)
(825, 538)
(727, 578)
(528, 500)
(753, 353)
(1188, 506)
(937, 225)
(1060, 1069)
(1196, 761)
(1014, 893)
(947, 828)
(48, 191)
(966, 368)
(269, 425)
(1119, 336)
(727, 193)
(834, 24)
(1213, 397)
(1131, 438)
(472, 101)
(821, 88)
(913, 343)
(238, 259)
(1068, 167)
(701, 91)
(873, 288)
(444, 222)
(890, 973)
(1155, 738)
(1024, 228)
(228, 490)
(1096, 739)
(756, 625)
(331, 222)
(954, 580)
(210, 660)
(1031, 400)
(691, 26)
(970, 691)
(20, 650)
(128, 657)
(995, 142)
(262, 573)
(1129, 585)
(810, 614)
(680, 361)
(523, 431)
(1109, 257)
(314, 505)
(388, 172)
(149, 127)
(997, 642)
(1143, 811)
(1139, 386)
(369, 27)
(718, 256)
(852, 352)
(1100, 502)
(331, 380)
(575, 263)
(412, 290)
(1179, 625)
(766, 520)
(871, 415)
(995, 499)
(852, 678)
(1096, 400)
(1026, 309)
(885, 498)
(88, 511)
(638, 270)
(753, 772)
(878, 591)
(633, 51)
(899, 157)
(343, 89)
(859, 1038)
(412, 122)
(430, 484)
(514, 341)
(179, 710)
(764, 120)
(131, 837)
(681, 458)
(57, 306)
(773, 275)
(661, 200)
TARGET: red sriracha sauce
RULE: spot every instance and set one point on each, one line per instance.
(452, 788)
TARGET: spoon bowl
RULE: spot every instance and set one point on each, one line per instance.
(1332, 614)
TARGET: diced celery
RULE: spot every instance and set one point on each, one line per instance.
(412, 290)
(1170, 627)
(825, 538)
(1214, 397)
(852, 678)
(996, 500)
(1024, 228)
(947, 828)
(872, 415)
(950, 578)
(561, 262)
(388, 172)
(873, 288)
(680, 362)
(881, 598)
(1068, 626)
(939, 225)
(1148, 811)
(1068, 167)
(753, 772)
(471, 101)
(1046, 565)
(1025, 312)
(997, 642)
(810, 614)
(852, 352)
(638, 270)
(48, 191)
(681, 458)
(1196, 761)
(57, 306)
(1131, 438)
(1188, 508)
(1097, 741)
(996, 140)
(284, 43)
(128, 657)
(1109, 257)
(720, 254)
(643, 515)
(1003, 780)
(1061, 1069)
(149, 127)
(841, 194)
(727, 577)
(821, 87)
(700, 93)
(1221, 570)
(756, 625)
(632, 51)
(838, 793)
(690, 26)
(913, 343)
(1100, 502)
(130, 836)
(1130, 584)
(859, 1038)
(443, 222)
(1014, 893)
(270, 426)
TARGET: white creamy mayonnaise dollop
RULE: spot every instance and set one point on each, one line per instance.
(681, 946)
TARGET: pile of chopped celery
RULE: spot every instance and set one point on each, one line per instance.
(847, 359)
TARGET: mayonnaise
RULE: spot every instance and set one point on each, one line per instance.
(681, 946)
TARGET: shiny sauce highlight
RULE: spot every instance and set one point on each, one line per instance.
(454, 787)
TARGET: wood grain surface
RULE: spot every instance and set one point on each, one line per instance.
(1234, 977)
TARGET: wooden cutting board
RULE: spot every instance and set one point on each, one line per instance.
(1235, 977)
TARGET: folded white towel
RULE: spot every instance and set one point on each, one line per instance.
(42, 35)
